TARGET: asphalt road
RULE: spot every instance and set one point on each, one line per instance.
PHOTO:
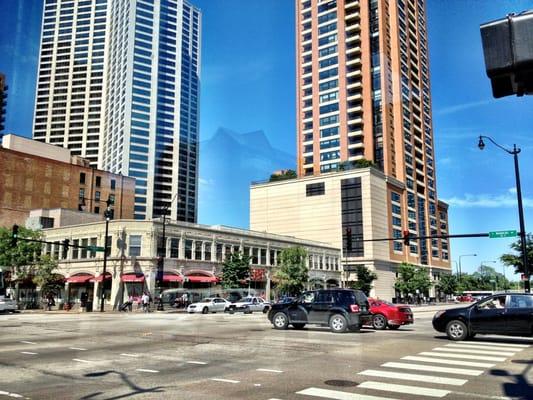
(221, 356)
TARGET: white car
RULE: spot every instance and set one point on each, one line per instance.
(207, 305)
(248, 305)
(7, 305)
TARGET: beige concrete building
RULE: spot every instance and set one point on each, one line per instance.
(331, 207)
(36, 175)
(194, 258)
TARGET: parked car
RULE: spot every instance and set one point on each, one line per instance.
(340, 309)
(501, 314)
(7, 304)
(385, 314)
(464, 298)
(207, 305)
(248, 305)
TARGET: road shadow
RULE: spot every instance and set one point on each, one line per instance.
(519, 388)
(318, 329)
(135, 390)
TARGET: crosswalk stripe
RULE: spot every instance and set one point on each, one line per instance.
(338, 395)
(432, 368)
(224, 380)
(78, 348)
(197, 362)
(451, 362)
(484, 348)
(269, 370)
(414, 377)
(129, 355)
(463, 356)
(31, 353)
(524, 346)
(464, 350)
(390, 387)
(26, 342)
(153, 371)
(80, 360)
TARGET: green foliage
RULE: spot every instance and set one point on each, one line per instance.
(293, 273)
(365, 277)
(44, 277)
(448, 284)
(515, 259)
(285, 174)
(485, 278)
(361, 163)
(236, 268)
(24, 254)
(412, 278)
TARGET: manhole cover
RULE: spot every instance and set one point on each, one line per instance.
(339, 382)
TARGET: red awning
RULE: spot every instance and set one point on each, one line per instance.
(132, 278)
(83, 278)
(202, 279)
(172, 278)
(99, 278)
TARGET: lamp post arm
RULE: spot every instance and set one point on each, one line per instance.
(514, 151)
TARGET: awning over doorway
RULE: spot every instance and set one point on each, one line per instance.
(100, 277)
(132, 278)
(80, 278)
(202, 279)
(172, 278)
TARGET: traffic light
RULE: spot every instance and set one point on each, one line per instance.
(406, 237)
(348, 232)
(14, 235)
(508, 51)
(66, 243)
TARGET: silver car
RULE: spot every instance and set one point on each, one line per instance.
(248, 305)
(8, 305)
(207, 305)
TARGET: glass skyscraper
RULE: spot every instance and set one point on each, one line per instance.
(118, 84)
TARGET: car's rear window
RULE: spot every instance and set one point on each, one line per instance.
(347, 297)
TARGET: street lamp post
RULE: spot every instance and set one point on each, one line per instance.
(107, 215)
(463, 255)
(514, 153)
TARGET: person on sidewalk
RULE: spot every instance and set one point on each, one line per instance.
(50, 302)
(145, 299)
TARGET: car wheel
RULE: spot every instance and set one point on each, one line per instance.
(394, 327)
(338, 324)
(280, 321)
(231, 310)
(456, 330)
(298, 325)
(205, 310)
(379, 322)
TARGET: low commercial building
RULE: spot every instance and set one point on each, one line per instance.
(351, 210)
(194, 258)
(37, 175)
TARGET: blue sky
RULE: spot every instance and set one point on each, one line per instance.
(248, 84)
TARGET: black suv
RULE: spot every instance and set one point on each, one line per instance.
(340, 309)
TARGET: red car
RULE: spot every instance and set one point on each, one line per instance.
(385, 314)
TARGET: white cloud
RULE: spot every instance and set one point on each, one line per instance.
(461, 107)
(512, 190)
(487, 201)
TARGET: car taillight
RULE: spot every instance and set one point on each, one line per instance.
(354, 307)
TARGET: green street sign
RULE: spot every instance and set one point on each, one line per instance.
(95, 248)
(502, 234)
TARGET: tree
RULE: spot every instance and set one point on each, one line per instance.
(412, 279)
(44, 277)
(293, 273)
(235, 270)
(515, 260)
(23, 255)
(283, 175)
(365, 277)
(448, 284)
(361, 163)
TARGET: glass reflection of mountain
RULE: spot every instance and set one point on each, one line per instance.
(229, 162)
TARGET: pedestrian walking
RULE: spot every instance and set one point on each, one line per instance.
(145, 299)
(50, 302)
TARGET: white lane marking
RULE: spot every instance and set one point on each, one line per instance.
(463, 350)
(501, 344)
(338, 395)
(80, 360)
(224, 380)
(197, 362)
(77, 348)
(277, 371)
(129, 355)
(26, 342)
(466, 346)
(28, 352)
(414, 377)
(390, 387)
(451, 362)
(152, 371)
(463, 356)
(419, 367)
(9, 394)
(257, 384)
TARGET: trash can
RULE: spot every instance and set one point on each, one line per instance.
(88, 306)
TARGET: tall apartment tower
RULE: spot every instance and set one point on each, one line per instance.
(118, 84)
(363, 91)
